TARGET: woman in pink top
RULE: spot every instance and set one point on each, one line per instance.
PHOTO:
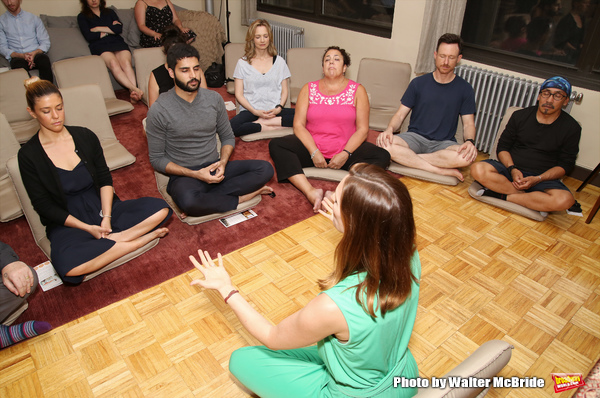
(330, 128)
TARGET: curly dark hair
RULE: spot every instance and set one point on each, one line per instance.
(345, 55)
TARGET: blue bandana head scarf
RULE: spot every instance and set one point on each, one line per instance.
(557, 82)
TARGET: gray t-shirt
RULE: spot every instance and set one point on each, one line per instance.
(186, 133)
(262, 91)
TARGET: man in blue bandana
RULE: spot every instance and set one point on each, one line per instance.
(538, 147)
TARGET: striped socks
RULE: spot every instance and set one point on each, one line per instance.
(10, 335)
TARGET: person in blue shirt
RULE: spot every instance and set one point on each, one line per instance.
(436, 100)
(24, 41)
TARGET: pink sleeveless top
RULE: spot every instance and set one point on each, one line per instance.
(331, 120)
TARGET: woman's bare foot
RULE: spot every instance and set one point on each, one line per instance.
(135, 96)
(316, 198)
(182, 215)
(262, 191)
(160, 232)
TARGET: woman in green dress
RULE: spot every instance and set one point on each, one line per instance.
(362, 321)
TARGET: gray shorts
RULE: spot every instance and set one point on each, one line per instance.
(419, 144)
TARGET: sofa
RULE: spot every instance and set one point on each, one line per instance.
(68, 42)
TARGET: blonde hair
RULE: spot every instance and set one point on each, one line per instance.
(36, 88)
(250, 50)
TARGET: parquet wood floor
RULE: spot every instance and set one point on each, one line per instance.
(487, 274)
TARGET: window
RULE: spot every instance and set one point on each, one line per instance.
(368, 16)
(542, 38)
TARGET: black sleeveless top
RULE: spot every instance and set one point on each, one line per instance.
(163, 79)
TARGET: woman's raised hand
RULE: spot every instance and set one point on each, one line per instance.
(215, 275)
(327, 204)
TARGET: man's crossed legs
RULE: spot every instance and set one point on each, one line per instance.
(244, 179)
(439, 157)
(551, 195)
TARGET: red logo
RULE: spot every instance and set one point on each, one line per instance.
(567, 381)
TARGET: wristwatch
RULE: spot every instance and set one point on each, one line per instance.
(471, 140)
(511, 167)
(279, 106)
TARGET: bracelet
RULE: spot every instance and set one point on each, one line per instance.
(312, 155)
(511, 167)
(540, 178)
(348, 152)
(104, 215)
(231, 293)
(279, 106)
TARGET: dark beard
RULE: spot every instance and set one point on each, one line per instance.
(185, 87)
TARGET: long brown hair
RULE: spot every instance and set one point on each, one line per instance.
(250, 50)
(87, 11)
(36, 88)
(379, 238)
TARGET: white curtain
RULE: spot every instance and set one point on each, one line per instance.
(248, 11)
(441, 16)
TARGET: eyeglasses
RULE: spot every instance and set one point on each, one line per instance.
(557, 96)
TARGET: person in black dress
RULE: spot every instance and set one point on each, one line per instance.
(160, 80)
(70, 187)
(102, 29)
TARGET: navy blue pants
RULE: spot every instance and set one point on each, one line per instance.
(197, 198)
(243, 122)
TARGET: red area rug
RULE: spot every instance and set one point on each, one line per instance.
(170, 257)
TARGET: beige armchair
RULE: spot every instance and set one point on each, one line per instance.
(233, 52)
(84, 106)
(385, 82)
(14, 105)
(146, 60)
(90, 69)
(484, 363)
(305, 66)
(10, 208)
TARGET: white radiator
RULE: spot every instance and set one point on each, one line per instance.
(286, 37)
(494, 93)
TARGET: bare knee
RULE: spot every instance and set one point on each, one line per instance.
(564, 200)
(479, 170)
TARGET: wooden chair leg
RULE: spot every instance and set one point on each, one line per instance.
(589, 178)
(593, 211)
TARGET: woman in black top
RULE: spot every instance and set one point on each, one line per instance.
(70, 187)
(102, 29)
(160, 80)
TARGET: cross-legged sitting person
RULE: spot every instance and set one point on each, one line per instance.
(436, 100)
(65, 174)
(18, 282)
(182, 128)
(352, 339)
(537, 148)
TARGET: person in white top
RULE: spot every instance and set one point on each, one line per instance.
(261, 84)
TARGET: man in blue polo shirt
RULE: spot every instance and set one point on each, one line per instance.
(23, 40)
(538, 147)
(436, 100)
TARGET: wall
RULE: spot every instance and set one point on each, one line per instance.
(403, 46)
